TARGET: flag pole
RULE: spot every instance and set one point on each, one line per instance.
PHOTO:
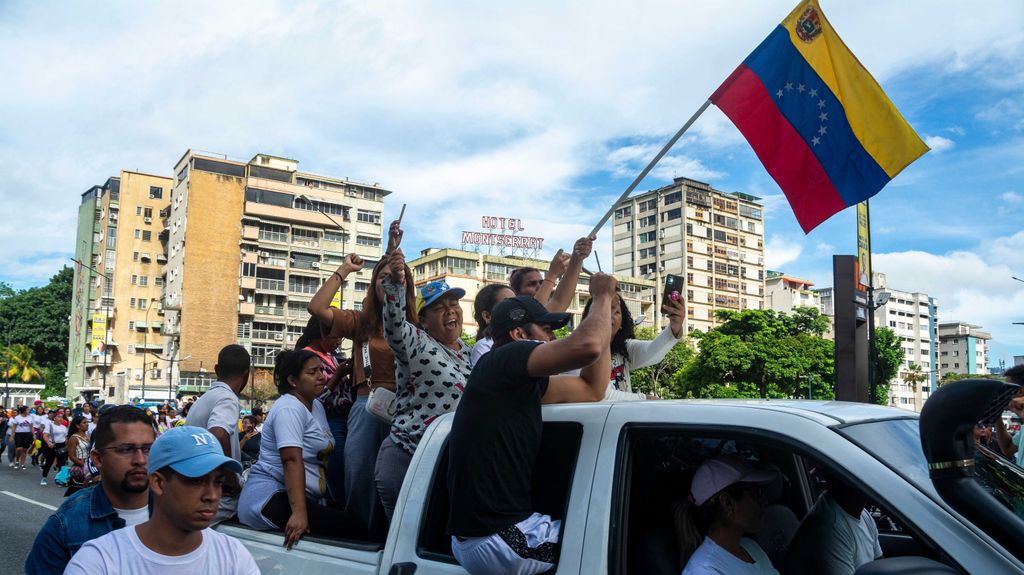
(650, 166)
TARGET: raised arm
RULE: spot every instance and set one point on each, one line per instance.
(590, 385)
(585, 345)
(562, 297)
(320, 305)
(555, 271)
(400, 334)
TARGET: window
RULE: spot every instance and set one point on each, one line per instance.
(673, 198)
(158, 281)
(147, 235)
(333, 236)
(368, 216)
(137, 233)
(135, 256)
(648, 205)
(156, 193)
(138, 210)
(362, 286)
(368, 241)
(248, 270)
(673, 214)
(551, 490)
(648, 221)
(623, 212)
(147, 212)
(647, 237)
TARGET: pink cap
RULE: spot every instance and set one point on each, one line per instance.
(716, 474)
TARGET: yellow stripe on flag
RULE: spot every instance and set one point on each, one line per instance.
(875, 121)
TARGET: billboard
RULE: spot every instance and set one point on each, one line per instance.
(98, 345)
(863, 247)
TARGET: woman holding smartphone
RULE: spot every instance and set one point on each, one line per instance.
(629, 353)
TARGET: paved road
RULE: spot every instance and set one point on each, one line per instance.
(21, 519)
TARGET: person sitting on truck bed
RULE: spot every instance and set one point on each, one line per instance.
(629, 353)
(496, 433)
(432, 367)
(287, 486)
(726, 501)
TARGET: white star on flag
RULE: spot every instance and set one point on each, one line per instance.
(815, 140)
(814, 92)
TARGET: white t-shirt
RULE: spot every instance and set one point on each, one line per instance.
(481, 347)
(289, 424)
(58, 433)
(219, 407)
(90, 429)
(39, 421)
(711, 559)
(87, 416)
(22, 424)
(122, 551)
(133, 517)
(830, 540)
(1020, 448)
(45, 426)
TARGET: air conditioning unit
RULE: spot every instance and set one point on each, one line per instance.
(148, 220)
(264, 254)
(138, 375)
(315, 265)
(278, 337)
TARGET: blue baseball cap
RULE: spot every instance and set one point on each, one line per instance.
(433, 291)
(189, 450)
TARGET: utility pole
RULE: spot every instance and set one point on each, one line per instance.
(106, 314)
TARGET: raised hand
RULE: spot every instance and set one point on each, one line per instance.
(603, 284)
(352, 263)
(559, 264)
(395, 234)
(582, 248)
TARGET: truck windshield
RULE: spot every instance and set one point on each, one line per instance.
(896, 443)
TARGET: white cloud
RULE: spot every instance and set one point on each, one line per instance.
(973, 286)
(1012, 198)
(938, 144)
(779, 251)
(461, 109)
(627, 161)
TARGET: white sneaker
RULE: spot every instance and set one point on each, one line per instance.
(42, 481)
(12, 465)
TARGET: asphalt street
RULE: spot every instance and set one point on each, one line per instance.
(26, 505)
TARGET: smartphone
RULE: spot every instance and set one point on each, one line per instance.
(673, 289)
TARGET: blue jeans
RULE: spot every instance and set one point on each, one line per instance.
(392, 464)
(336, 461)
(365, 434)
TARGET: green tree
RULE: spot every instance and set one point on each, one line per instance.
(890, 356)
(664, 378)
(38, 317)
(54, 382)
(763, 353)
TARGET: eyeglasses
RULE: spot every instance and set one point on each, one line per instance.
(128, 449)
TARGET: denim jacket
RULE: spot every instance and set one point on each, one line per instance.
(86, 515)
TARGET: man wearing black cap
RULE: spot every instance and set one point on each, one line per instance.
(496, 433)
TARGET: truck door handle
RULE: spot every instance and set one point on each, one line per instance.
(402, 569)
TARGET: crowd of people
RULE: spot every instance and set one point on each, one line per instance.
(330, 456)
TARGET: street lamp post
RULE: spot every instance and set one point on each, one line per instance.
(145, 347)
(873, 305)
(106, 314)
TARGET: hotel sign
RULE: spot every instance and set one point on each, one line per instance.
(502, 232)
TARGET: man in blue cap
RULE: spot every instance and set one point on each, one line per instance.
(187, 470)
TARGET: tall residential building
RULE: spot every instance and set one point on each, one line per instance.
(914, 318)
(785, 292)
(472, 271)
(713, 239)
(248, 244)
(963, 348)
(115, 334)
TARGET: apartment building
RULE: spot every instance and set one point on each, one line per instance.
(713, 239)
(115, 338)
(784, 293)
(471, 271)
(248, 244)
(963, 348)
(914, 318)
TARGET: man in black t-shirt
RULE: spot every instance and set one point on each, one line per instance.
(496, 433)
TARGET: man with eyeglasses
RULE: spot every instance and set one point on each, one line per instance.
(121, 444)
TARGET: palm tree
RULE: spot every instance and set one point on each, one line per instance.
(20, 363)
(915, 376)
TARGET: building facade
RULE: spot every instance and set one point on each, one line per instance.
(914, 318)
(118, 353)
(784, 293)
(471, 271)
(248, 244)
(713, 239)
(963, 348)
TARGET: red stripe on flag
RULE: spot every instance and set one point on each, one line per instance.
(780, 148)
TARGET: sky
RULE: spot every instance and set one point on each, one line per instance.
(538, 111)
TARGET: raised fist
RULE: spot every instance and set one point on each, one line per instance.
(603, 284)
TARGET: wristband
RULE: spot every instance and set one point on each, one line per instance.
(339, 275)
(547, 280)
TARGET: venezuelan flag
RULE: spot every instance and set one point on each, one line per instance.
(817, 120)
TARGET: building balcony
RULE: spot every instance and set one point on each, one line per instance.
(247, 283)
(245, 308)
(250, 233)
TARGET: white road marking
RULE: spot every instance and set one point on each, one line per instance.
(27, 500)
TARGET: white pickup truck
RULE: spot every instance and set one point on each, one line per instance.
(612, 471)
